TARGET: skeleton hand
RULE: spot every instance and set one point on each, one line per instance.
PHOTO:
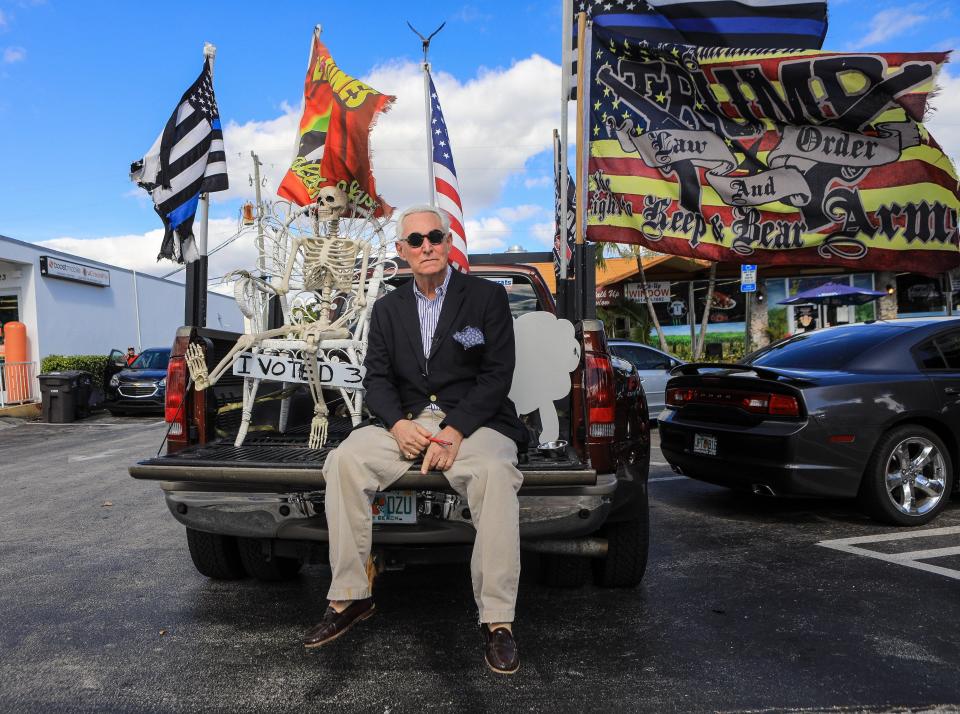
(318, 431)
(197, 364)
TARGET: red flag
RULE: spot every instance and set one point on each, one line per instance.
(338, 114)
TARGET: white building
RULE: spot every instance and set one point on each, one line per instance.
(75, 306)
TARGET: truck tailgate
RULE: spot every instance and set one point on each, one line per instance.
(281, 461)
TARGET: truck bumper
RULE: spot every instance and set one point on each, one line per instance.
(545, 512)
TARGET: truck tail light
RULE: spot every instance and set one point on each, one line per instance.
(601, 398)
(753, 402)
(175, 407)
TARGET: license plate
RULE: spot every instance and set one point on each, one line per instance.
(286, 368)
(705, 444)
(395, 507)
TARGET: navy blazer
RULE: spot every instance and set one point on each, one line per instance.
(470, 384)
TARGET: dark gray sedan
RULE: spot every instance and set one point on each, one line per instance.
(869, 410)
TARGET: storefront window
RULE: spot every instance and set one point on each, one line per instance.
(9, 311)
(919, 295)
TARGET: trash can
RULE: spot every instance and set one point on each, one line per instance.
(64, 395)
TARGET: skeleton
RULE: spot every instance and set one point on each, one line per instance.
(328, 263)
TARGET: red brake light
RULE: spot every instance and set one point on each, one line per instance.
(753, 402)
(601, 400)
(174, 411)
(783, 405)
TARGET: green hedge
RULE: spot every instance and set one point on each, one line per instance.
(95, 364)
(679, 345)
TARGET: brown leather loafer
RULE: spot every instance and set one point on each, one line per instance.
(500, 650)
(336, 623)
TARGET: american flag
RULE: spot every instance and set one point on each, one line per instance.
(446, 184)
(186, 160)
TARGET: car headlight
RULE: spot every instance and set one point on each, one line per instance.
(162, 383)
(115, 380)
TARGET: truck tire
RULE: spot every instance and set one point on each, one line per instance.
(259, 565)
(626, 560)
(564, 571)
(215, 556)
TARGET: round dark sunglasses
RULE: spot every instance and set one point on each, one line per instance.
(415, 240)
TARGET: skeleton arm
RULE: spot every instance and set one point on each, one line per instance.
(284, 287)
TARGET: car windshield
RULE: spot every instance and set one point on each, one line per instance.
(822, 349)
(152, 359)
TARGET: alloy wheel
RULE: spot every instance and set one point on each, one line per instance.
(915, 476)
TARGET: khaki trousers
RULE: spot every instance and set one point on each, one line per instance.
(485, 473)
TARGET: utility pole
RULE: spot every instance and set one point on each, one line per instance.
(261, 257)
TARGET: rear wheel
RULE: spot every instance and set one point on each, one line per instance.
(908, 479)
(262, 566)
(215, 556)
(564, 571)
(626, 560)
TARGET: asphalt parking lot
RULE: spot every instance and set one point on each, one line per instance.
(749, 604)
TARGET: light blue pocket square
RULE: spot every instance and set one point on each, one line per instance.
(469, 337)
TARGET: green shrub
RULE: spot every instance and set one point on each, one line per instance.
(732, 342)
(94, 364)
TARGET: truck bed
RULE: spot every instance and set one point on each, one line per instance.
(285, 461)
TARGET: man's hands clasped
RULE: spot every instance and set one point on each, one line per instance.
(441, 448)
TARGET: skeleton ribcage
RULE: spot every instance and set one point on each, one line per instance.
(333, 257)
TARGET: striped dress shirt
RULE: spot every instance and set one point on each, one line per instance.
(429, 312)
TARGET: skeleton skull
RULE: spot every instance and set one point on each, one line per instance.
(332, 201)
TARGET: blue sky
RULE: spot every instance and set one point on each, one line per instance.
(85, 87)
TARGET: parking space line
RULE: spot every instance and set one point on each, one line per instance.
(666, 478)
(910, 559)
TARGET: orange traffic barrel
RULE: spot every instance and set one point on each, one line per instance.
(16, 370)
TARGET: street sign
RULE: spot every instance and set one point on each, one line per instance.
(748, 278)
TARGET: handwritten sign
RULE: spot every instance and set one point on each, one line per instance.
(285, 367)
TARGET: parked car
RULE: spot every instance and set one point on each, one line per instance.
(652, 365)
(868, 410)
(139, 387)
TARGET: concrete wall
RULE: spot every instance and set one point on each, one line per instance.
(65, 317)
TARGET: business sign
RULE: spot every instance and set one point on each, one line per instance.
(66, 270)
(609, 295)
(748, 278)
(658, 292)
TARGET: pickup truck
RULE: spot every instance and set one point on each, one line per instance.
(257, 509)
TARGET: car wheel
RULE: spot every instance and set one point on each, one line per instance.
(215, 556)
(263, 567)
(908, 479)
(625, 563)
(564, 571)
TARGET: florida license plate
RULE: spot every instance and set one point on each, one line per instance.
(395, 507)
(705, 444)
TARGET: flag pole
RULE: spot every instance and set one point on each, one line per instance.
(196, 274)
(566, 53)
(582, 91)
(425, 66)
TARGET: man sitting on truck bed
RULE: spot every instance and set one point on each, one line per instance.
(439, 365)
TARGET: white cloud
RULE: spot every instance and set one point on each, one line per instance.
(12, 55)
(519, 213)
(537, 181)
(497, 122)
(4, 21)
(889, 23)
(543, 233)
(944, 123)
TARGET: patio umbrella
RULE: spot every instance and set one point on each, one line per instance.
(834, 294)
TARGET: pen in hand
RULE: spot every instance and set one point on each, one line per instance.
(441, 441)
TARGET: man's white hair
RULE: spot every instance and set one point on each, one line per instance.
(442, 215)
